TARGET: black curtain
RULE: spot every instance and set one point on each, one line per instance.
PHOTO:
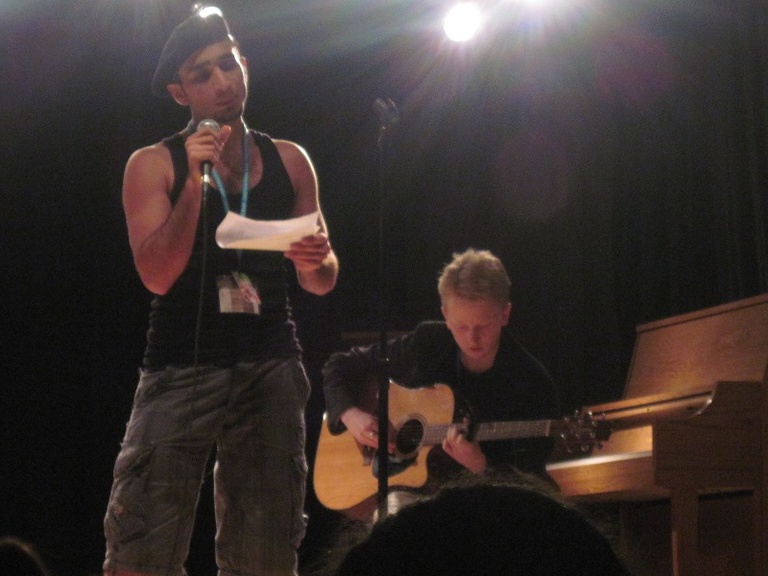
(619, 172)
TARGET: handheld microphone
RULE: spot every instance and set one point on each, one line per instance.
(210, 125)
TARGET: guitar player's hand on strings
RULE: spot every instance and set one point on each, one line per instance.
(466, 452)
(364, 428)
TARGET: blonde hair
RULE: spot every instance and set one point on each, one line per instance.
(474, 275)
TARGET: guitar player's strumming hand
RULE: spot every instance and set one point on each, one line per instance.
(466, 452)
(364, 428)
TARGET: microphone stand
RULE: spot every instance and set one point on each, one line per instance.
(388, 116)
(205, 188)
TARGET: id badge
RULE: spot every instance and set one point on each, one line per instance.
(238, 294)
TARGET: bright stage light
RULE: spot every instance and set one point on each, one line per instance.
(463, 21)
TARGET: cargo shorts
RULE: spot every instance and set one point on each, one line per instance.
(252, 415)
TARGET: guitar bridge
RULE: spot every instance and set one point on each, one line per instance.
(395, 465)
(367, 453)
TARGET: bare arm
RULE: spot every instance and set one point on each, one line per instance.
(316, 264)
(161, 235)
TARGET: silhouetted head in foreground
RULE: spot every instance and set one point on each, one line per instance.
(484, 529)
(19, 558)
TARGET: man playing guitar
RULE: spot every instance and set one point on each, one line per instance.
(473, 351)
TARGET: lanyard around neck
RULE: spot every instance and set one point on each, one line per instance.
(246, 179)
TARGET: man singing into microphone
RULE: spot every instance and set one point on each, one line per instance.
(222, 369)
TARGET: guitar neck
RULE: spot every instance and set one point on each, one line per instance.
(434, 434)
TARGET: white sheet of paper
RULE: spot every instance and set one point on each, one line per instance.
(242, 233)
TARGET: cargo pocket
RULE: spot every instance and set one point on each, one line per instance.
(126, 514)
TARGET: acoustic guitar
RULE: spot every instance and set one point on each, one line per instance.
(345, 472)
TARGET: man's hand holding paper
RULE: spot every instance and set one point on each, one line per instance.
(309, 253)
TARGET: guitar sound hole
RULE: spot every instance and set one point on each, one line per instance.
(409, 438)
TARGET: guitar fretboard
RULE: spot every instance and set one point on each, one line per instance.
(435, 434)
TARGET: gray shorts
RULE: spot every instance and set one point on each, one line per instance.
(253, 414)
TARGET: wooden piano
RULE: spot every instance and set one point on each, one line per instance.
(688, 440)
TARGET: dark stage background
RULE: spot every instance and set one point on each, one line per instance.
(613, 153)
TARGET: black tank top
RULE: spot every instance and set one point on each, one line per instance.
(226, 338)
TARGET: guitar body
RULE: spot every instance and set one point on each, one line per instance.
(344, 474)
(345, 477)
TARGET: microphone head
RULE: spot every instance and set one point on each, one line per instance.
(209, 124)
(387, 111)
